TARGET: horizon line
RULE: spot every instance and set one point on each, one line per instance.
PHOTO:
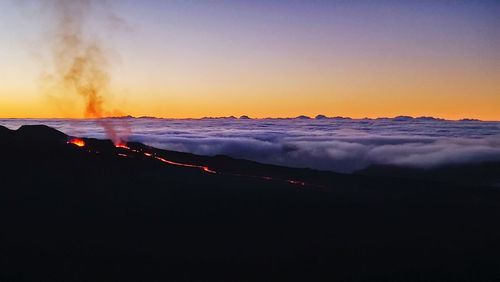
(245, 117)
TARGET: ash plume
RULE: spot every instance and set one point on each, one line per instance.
(80, 62)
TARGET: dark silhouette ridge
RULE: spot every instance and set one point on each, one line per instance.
(403, 118)
(302, 117)
(4, 131)
(88, 213)
(424, 118)
(41, 132)
(319, 116)
(470, 120)
(483, 173)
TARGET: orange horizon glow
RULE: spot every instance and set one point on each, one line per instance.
(345, 58)
(262, 117)
(457, 102)
(490, 116)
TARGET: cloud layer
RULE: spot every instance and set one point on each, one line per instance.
(338, 145)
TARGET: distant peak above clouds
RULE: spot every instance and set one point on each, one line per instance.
(402, 118)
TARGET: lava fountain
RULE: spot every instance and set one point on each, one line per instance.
(77, 142)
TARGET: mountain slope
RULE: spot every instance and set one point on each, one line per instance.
(88, 213)
(483, 173)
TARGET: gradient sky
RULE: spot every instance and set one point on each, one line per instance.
(272, 58)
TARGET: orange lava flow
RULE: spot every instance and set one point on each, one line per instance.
(121, 145)
(124, 146)
(269, 178)
(297, 182)
(77, 141)
(80, 143)
(204, 168)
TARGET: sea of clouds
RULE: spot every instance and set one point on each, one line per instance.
(329, 144)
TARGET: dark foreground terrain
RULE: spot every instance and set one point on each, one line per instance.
(101, 213)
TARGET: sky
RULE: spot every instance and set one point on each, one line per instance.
(193, 59)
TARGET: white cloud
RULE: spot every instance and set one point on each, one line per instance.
(340, 145)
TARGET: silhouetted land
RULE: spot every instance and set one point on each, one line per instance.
(70, 214)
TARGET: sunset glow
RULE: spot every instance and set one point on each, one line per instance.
(190, 59)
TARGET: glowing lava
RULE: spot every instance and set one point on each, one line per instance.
(77, 141)
(204, 168)
(122, 145)
(130, 153)
(296, 182)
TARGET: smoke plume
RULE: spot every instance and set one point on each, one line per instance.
(80, 60)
